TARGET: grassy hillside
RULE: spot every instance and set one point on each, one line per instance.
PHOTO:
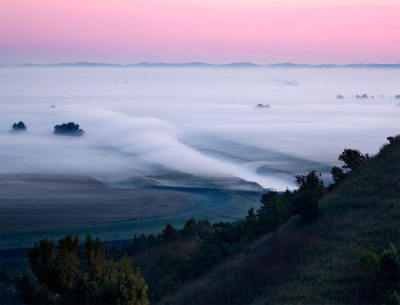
(315, 262)
(315, 245)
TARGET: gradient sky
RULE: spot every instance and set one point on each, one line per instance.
(215, 31)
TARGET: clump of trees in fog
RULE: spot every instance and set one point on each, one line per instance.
(70, 129)
(20, 126)
(263, 106)
(363, 96)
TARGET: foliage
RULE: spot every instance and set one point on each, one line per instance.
(70, 129)
(313, 262)
(20, 126)
(216, 242)
(352, 159)
(307, 197)
(61, 277)
(383, 274)
(7, 290)
(270, 253)
(394, 140)
(337, 174)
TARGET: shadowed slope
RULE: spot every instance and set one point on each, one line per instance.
(316, 262)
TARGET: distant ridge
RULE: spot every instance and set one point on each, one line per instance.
(143, 64)
(360, 65)
(73, 64)
(163, 64)
(207, 65)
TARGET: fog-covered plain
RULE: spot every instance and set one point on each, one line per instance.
(147, 122)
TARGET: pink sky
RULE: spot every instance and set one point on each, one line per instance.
(216, 31)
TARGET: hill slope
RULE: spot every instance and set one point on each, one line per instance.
(316, 262)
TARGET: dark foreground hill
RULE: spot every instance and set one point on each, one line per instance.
(316, 245)
(316, 262)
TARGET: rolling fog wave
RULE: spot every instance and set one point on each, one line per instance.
(202, 122)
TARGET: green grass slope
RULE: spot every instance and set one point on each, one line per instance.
(316, 262)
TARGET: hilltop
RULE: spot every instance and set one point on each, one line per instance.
(315, 262)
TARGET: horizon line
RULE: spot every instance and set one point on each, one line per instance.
(200, 64)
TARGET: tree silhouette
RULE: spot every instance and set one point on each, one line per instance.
(20, 126)
(70, 129)
(352, 159)
(337, 174)
(62, 277)
(306, 199)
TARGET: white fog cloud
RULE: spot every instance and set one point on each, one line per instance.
(137, 120)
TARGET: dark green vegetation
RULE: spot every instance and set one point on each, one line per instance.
(382, 275)
(20, 126)
(68, 274)
(69, 129)
(317, 261)
(317, 245)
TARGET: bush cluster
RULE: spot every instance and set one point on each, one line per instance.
(68, 274)
(382, 275)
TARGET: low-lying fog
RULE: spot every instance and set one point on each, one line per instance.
(200, 121)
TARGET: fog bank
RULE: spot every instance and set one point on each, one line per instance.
(203, 122)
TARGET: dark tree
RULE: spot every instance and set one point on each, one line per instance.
(394, 140)
(306, 199)
(70, 129)
(275, 209)
(20, 126)
(61, 277)
(352, 159)
(170, 233)
(189, 227)
(251, 214)
(337, 174)
(268, 200)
